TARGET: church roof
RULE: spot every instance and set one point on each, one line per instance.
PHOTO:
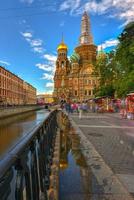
(62, 45)
(74, 57)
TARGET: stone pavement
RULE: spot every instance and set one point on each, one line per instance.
(107, 142)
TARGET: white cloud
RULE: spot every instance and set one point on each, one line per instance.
(71, 5)
(47, 76)
(48, 66)
(36, 42)
(94, 7)
(123, 10)
(38, 49)
(4, 62)
(50, 61)
(27, 1)
(45, 67)
(108, 43)
(27, 34)
(64, 6)
(28, 39)
(50, 57)
(23, 21)
(49, 85)
(46, 92)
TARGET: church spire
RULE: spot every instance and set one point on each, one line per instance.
(86, 36)
(62, 38)
(62, 45)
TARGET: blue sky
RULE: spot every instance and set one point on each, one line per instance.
(31, 31)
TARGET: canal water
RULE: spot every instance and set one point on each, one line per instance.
(75, 176)
(13, 128)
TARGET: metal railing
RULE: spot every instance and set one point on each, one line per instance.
(25, 170)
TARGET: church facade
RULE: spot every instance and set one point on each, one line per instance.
(74, 79)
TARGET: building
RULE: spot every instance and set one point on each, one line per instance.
(30, 93)
(45, 99)
(14, 90)
(75, 78)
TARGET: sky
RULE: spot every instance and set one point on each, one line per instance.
(32, 29)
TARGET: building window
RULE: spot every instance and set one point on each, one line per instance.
(85, 92)
(75, 92)
(62, 64)
(89, 92)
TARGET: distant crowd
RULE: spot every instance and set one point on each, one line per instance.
(121, 106)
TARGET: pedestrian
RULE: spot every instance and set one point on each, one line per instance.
(123, 112)
(68, 107)
(80, 110)
(84, 107)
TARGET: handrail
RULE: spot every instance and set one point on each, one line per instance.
(25, 169)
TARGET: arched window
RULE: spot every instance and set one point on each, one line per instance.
(75, 93)
(89, 92)
(62, 64)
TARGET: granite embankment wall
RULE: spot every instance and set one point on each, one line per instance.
(7, 112)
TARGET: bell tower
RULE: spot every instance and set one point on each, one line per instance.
(86, 49)
(62, 60)
(86, 36)
(62, 70)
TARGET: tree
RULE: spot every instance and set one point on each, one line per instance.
(125, 61)
(125, 85)
(116, 68)
(105, 69)
(125, 49)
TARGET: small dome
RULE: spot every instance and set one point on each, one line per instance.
(62, 45)
(75, 57)
(101, 53)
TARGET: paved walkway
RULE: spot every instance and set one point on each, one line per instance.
(107, 142)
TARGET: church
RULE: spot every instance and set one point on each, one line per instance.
(75, 79)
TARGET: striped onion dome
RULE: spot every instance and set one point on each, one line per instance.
(75, 57)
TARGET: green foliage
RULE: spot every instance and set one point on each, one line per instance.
(125, 49)
(105, 90)
(125, 85)
(105, 69)
(116, 69)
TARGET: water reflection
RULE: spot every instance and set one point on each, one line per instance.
(75, 181)
(12, 128)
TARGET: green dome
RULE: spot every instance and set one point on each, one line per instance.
(75, 57)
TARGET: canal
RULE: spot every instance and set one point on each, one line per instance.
(15, 127)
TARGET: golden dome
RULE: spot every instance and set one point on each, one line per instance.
(63, 164)
(62, 45)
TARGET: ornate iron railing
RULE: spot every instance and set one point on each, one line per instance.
(25, 170)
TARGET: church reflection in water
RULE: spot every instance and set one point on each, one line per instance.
(75, 175)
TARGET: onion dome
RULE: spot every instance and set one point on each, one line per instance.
(75, 57)
(63, 164)
(101, 54)
(62, 46)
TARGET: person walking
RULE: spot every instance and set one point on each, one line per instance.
(80, 110)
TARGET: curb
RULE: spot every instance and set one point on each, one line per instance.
(103, 173)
